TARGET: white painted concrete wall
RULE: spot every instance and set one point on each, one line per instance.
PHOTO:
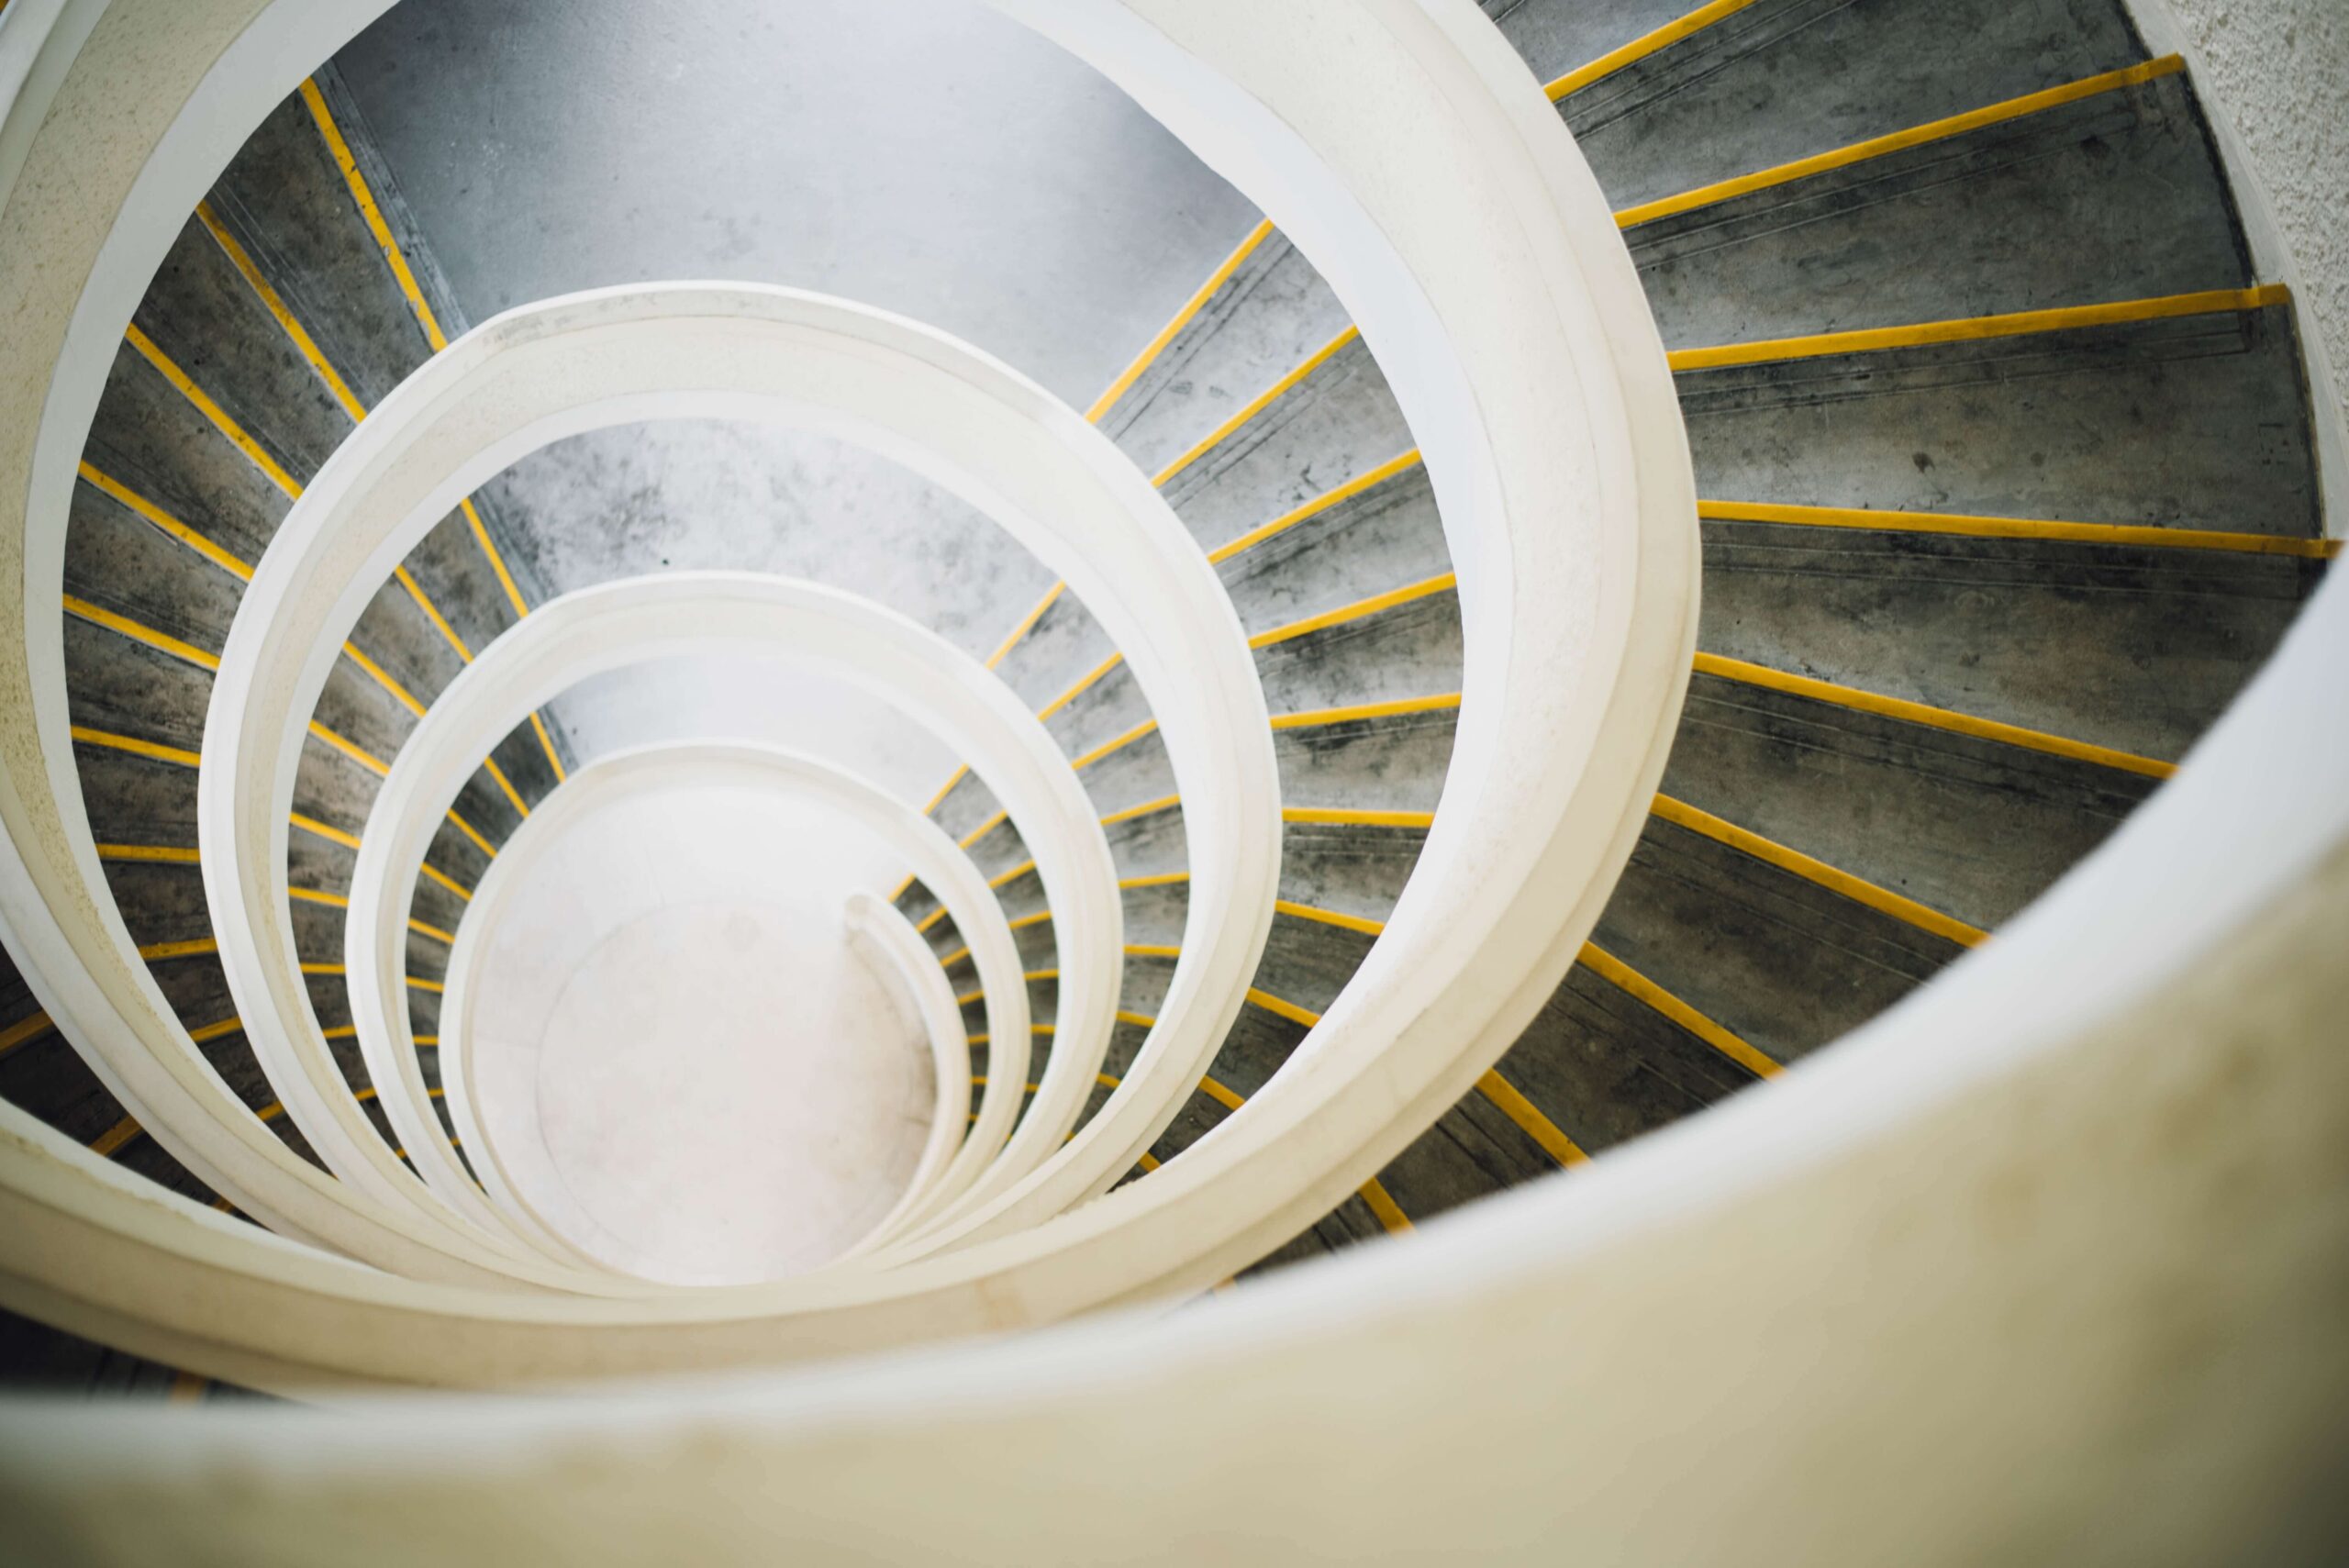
(2274, 78)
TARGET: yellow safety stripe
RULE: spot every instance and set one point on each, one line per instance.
(546, 744)
(154, 750)
(162, 642)
(167, 854)
(24, 1030)
(271, 301)
(1623, 978)
(1529, 1118)
(371, 213)
(1083, 686)
(1332, 816)
(406, 580)
(1163, 802)
(1328, 917)
(1147, 728)
(157, 953)
(1901, 140)
(1369, 480)
(1440, 703)
(1181, 318)
(1858, 889)
(1955, 723)
(1979, 328)
(124, 495)
(1409, 593)
(106, 1144)
(1639, 49)
(1027, 624)
(1279, 1008)
(1390, 1213)
(1967, 525)
(217, 415)
(1255, 406)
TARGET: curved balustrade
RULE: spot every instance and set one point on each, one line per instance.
(1477, 255)
(878, 927)
(617, 624)
(566, 365)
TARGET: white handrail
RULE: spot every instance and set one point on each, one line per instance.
(881, 927)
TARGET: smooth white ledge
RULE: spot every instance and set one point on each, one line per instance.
(883, 929)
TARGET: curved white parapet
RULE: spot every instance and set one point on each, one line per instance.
(882, 928)
(635, 620)
(562, 366)
(1478, 256)
(930, 852)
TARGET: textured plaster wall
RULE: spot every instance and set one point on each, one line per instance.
(2273, 76)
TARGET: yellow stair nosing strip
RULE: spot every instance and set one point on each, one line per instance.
(1972, 525)
(1511, 1103)
(1368, 480)
(193, 947)
(274, 302)
(1630, 981)
(1918, 713)
(1383, 1204)
(1640, 48)
(1027, 624)
(351, 750)
(1142, 731)
(163, 522)
(1086, 683)
(1350, 817)
(1393, 708)
(1900, 142)
(154, 750)
(1329, 918)
(505, 785)
(24, 1030)
(983, 829)
(1979, 329)
(423, 601)
(546, 744)
(1857, 889)
(1147, 807)
(371, 213)
(1361, 609)
(1283, 1009)
(237, 435)
(157, 854)
(138, 632)
(1256, 405)
(1141, 362)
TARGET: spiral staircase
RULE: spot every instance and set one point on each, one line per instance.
(1455, 802)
